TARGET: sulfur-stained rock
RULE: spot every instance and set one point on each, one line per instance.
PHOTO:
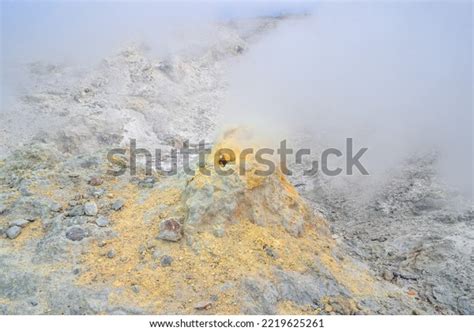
(215, 200)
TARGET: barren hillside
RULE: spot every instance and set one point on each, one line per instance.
(78, 240)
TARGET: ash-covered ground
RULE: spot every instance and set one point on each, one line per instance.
(76, 240)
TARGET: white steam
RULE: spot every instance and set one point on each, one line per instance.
(395, 77)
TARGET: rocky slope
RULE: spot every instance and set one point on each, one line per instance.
(77, 240)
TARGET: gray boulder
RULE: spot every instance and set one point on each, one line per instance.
(13, 232)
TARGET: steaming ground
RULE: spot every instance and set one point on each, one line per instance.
(78, 241)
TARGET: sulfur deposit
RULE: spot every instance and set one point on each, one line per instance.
(242, 243)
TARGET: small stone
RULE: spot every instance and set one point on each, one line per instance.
(3, 209)
(75, 233)
(238, 49)
(117, 205)
(98, 193)
(25, 192)
(20, 223)
(31, 218)
(13, 232)
(379, 239)
(142, 250)
(111, 254)
(147, 182)
(328, 308)
(387, 275)
(89, 163)
(203, 305)
(150, 244)
(166, 260)
(156, 254)
(411, 293)
(33, 302)
(270, 251)
(135, 288)
(315, 303)
(55, 207)
(170, 230)
(96, 181)
(102, 221)
(219, 232)
(214, 297)
(90, 208)
(76, 211)
(72, 203)
(101, 243)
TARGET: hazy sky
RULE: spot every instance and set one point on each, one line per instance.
(55, 28)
